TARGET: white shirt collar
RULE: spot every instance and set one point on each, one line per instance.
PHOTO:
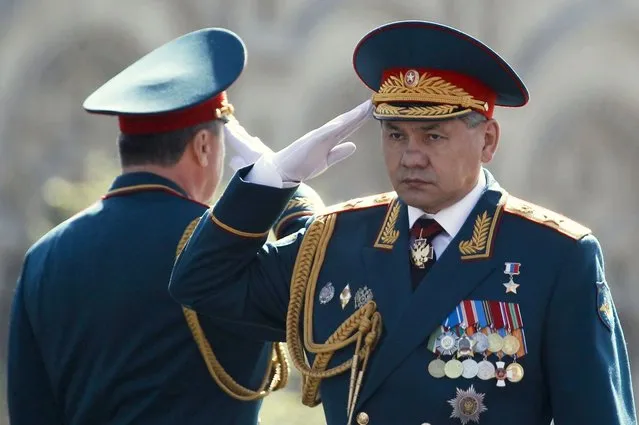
(452, 218)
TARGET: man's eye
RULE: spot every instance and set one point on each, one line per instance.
(434, 137)
(395, 136)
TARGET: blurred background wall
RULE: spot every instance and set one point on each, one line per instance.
(573, 149)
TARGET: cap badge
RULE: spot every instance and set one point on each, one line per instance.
(411, 78)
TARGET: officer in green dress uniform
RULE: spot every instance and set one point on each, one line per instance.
(447, 301)
(95, 337)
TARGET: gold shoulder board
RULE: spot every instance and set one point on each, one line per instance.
(545, 217)
(360, 203)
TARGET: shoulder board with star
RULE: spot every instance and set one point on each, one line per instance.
(545, 217)
(380, 199)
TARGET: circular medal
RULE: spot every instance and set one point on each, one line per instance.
(485, 370)
(436, 368)
(471, 368)
(515, 372)
(481, 342)
(495, 342)
(453, 369)
(511, 345)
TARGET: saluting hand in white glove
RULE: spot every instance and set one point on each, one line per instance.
(310, 155)
(247, 149)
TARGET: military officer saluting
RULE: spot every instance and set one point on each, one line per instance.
(95, 337)
(446, 301)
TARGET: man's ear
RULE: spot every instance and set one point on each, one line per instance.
(201, 146)
(491, 141)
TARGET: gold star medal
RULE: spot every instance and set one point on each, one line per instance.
(511, 269)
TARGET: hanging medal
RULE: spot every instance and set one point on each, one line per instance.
(437, 365)
(500, 373)
(515, 371)
(453, 368)
(446, 343)
(495, 340)
(443, 342)
(499, 312)
(511, 343)
(480, 340)
(485, 368)
(466, 343)
(436, 368)
(449, 342)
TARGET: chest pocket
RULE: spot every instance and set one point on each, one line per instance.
(480, 339)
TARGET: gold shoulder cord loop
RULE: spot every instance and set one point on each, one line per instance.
(362, 328)
(276, 376)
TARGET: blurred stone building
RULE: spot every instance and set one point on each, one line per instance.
(574, 148)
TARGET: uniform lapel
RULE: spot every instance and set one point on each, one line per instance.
(463, 266)
(386, 264)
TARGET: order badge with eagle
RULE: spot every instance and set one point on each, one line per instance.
(421, 252)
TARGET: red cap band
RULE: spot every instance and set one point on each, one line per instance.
(210, 110)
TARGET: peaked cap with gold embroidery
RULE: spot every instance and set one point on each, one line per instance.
(423, 70)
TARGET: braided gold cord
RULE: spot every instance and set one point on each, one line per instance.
(352, 324)
(311, 284)
(277, 372)
(364, 325)
(282, 366)
(218, 373)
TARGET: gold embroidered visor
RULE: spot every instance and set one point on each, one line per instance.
(430, 94)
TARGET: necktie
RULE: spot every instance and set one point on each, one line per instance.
(422, 255)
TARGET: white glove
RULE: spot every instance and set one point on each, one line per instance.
(310, 155)
(247, 148)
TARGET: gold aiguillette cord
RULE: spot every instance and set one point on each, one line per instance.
(363, 327)
(277, 371)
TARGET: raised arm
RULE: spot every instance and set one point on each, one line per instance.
(227, 270)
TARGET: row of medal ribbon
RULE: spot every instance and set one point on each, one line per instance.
(479, 328)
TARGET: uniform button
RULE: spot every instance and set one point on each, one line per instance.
(362, 418)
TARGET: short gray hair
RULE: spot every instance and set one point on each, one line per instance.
(473, 119)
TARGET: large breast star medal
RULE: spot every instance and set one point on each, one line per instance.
(467, 405)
